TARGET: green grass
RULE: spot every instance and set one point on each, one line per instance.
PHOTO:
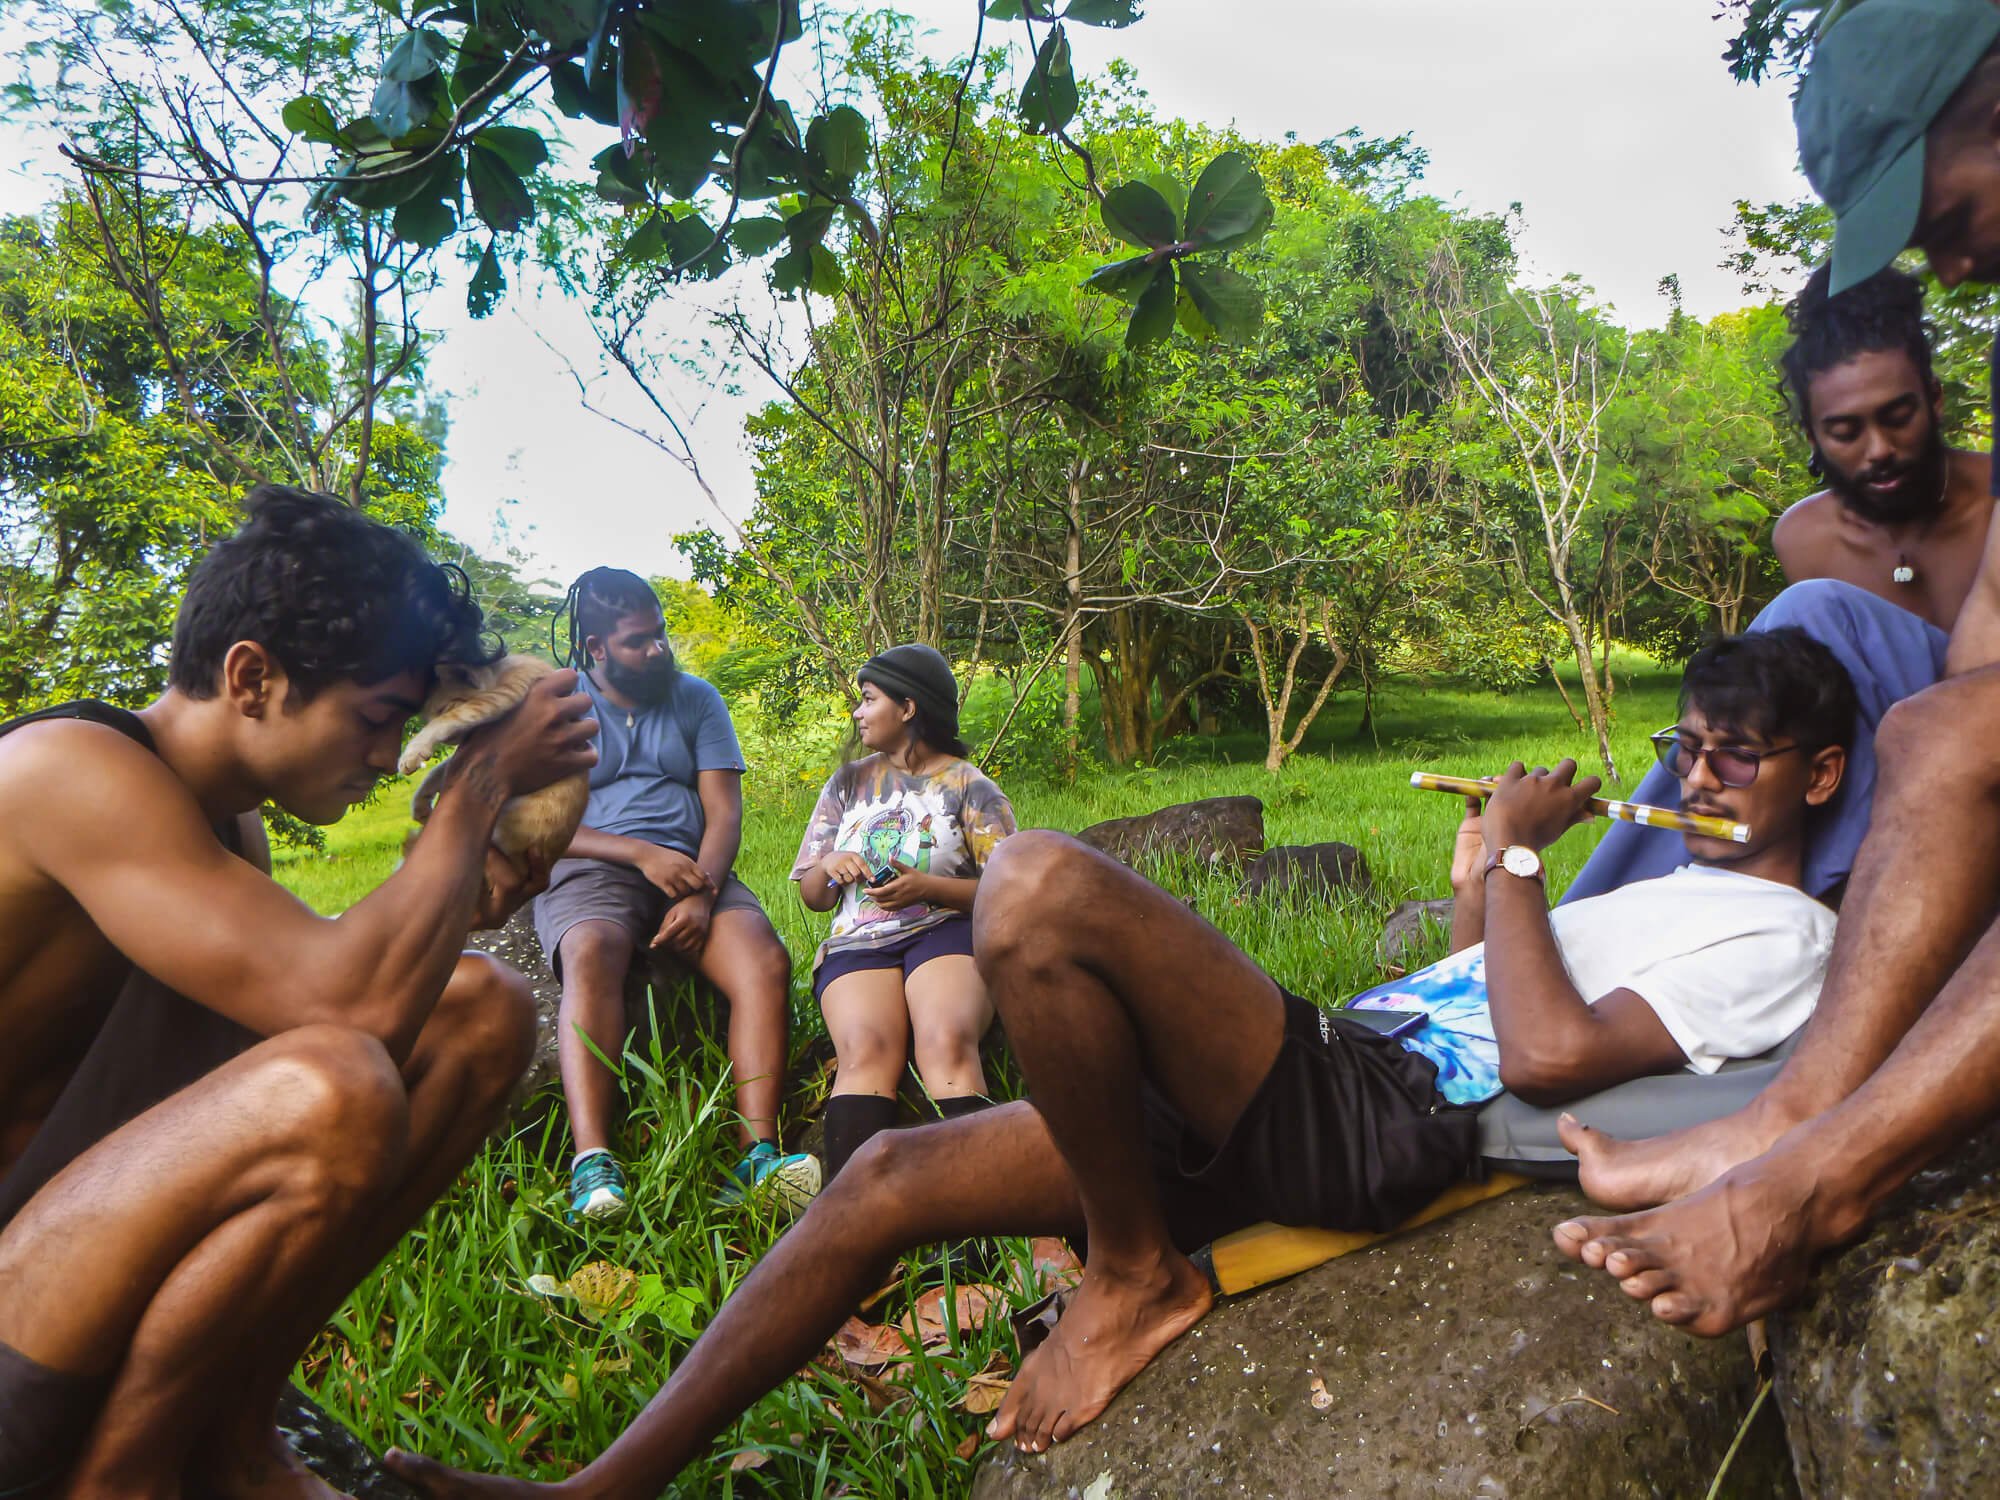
(446, 1349)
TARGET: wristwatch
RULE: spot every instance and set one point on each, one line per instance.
(1515, 859)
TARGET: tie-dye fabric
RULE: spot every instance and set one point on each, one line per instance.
(945, 823)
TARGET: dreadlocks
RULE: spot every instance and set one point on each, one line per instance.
(594, 604)
(1885, 313)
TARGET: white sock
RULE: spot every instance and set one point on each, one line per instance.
(585, 1155)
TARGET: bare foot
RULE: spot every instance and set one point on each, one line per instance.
(1112, 1329)
(1639, 1174)
(428, 1477)
(265, 1468)
(1725, 1255)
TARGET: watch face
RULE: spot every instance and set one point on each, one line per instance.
(1521, 860)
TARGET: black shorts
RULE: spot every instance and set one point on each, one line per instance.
(1347, 1131)
(950, 938)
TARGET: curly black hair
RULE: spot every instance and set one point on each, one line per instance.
(1883, 313)
(332, 594)
(1771, 684)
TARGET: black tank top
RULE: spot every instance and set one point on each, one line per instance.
(123, 720)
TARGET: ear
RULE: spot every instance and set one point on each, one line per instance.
(252, 680)
(594, 647)
(1828, 767)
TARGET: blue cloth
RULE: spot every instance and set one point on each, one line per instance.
(1888, 651)
(643, 785)
(1458, 1038)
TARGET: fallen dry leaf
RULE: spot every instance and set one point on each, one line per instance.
(749, 1458)
(925, 1322)
(869, 1345)
(1321, 1400)
(970, 1445)
(984, 1393)
(1055, 1263)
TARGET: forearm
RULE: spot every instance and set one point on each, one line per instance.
(817, 892)
(1538, 1013)
(721, 841)
(1468, 915)
(946, 891)
(612, 848)
(385, 961)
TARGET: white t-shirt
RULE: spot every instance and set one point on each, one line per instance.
(1730, 963)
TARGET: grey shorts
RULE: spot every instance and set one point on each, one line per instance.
(593, 890)
(44, 1418)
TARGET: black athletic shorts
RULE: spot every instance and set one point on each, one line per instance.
(1347, 1131)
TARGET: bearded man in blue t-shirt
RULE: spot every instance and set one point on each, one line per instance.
(651, 871)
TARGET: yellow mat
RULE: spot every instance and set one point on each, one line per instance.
(1269, 1252)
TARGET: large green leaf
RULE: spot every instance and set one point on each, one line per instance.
(1229, 206)
(793, 269)
(499, 196)
(1112, 13)
(647, 242)
(826, 278)
(692, 246)
(682, 150)
(837, 142)
(1048, 98)
(619, 178)
(1123, 279)
(428, 222)
(418, 55)
(1170, 188)
(1013, 10)
(562, 23)
(1153, 317)
(757, 236)
(313, 118)
(482, 293)
(578, 98)
(521, 148)
(721, 35)
(1138, 215)
(399, 106)
(1230, 303)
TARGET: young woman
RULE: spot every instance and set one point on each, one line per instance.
(896, 844)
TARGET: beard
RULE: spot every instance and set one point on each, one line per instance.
(649, 686)
(1920, 499)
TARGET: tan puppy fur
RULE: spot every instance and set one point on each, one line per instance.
(541, 823)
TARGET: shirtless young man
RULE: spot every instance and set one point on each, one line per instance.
(218, 1110)
(1177, 1093)
(1903, 515)
(1899, 127)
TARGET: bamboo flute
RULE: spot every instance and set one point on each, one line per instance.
(1628, 812)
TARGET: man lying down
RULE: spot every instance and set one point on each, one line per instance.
(1177, 1093)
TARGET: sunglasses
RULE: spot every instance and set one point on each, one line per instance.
(1732, 765)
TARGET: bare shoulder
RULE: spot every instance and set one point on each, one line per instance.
(68, 785)
(1804, 534)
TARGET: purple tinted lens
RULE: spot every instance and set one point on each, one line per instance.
(1733, 767)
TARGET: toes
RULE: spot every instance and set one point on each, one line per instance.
(1570, 1237)
(1624, 1258)
(1574, 1134)
(1647, 1285)
(1678, 1308)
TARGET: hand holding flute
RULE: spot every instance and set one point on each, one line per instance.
(1629, 812)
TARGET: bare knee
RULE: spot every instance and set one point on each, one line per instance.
(948, 1059)
(486, 1019)
(1924, 738)
(877, 1184)
(869, 1058)
(1029, 885)
(333, 1100)
(595, 954)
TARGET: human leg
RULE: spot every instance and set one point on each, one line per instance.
(1102, 978)
(995, 1173)
(949, 1014)
(595, 956)
(157, 1256)
(1921, 894)
(457, 1079)
(745, 961)
(868, 1020)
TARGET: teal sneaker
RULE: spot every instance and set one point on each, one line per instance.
(792, 1180)
(597, 1189)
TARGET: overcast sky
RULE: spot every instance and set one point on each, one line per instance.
(1613, 123)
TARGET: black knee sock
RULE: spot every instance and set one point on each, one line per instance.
(848, 1120)
(957, 1106)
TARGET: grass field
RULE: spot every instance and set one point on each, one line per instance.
(449, 1349)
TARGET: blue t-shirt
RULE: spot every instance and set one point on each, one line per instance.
(643, 785)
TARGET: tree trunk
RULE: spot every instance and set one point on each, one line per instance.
(1073, 618)
(1593, 696)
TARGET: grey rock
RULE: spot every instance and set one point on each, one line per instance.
(1314, 870)
(1225, 831)
(1467, 1359)
(1888, 1374)
(1407, 929)
(332, 1452)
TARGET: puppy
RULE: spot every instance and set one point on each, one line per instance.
(541, 823)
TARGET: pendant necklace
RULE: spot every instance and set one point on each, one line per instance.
(1905, 571)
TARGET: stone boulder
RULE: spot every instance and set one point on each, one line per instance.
(1888, 1374)
(1216, 831)
(1317, 871)
(1465, 1359)
(1408, 929)
(332, 1452)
